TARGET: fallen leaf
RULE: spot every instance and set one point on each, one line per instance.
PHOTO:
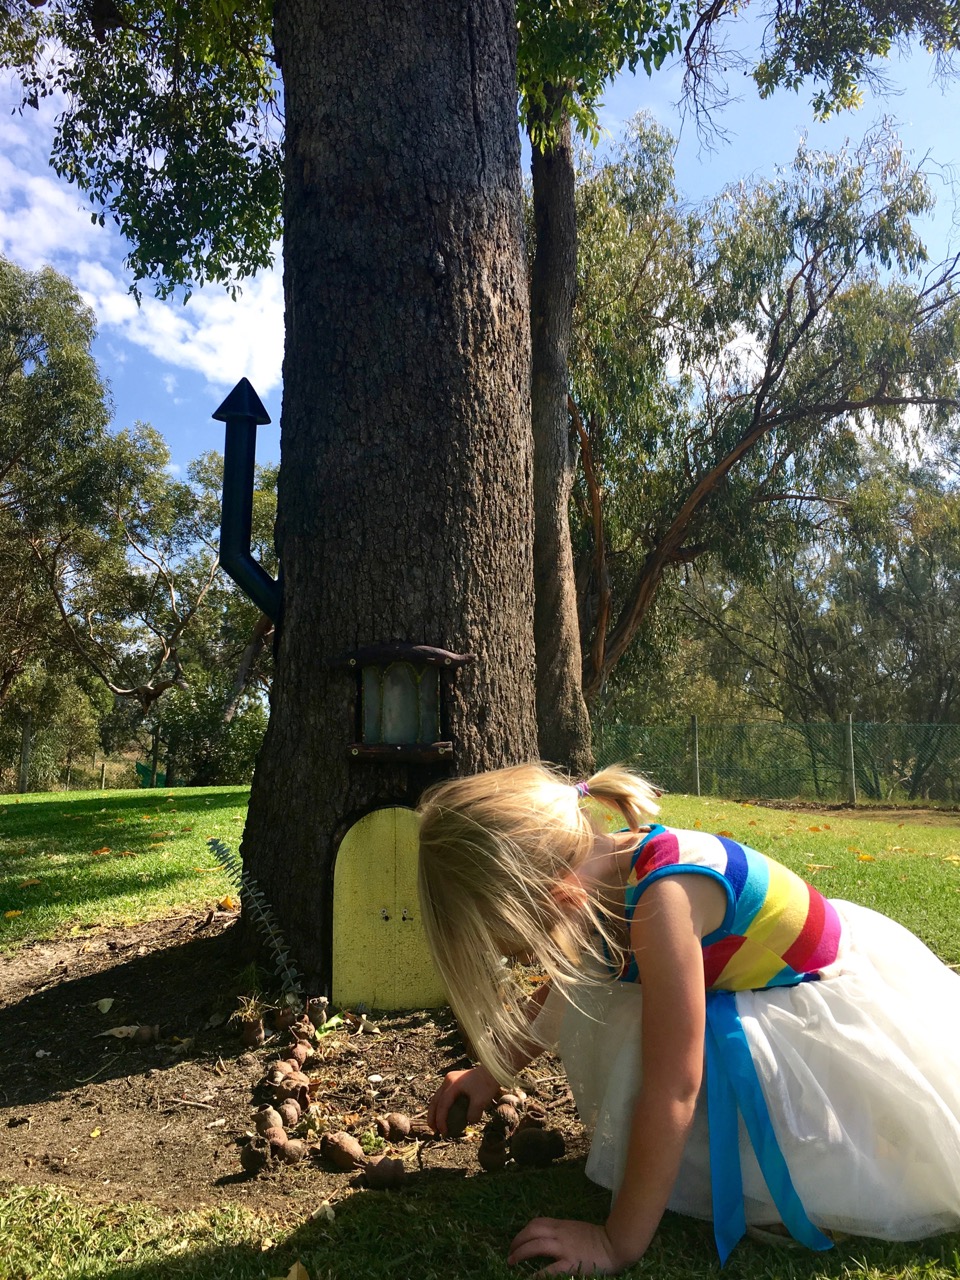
(9, 915)
(94, 1133)
(126, 853)
(725, 833)
(826, 826)
(105, 1005)
(95, 853)
(865, 857)
(697, 824)
(26, 884)
(852, 848)
(228, 904)
(324, 1210)
(752, 822)
(950, 857)
(814, 867)
(206, 871)
(814, 828)
(120, 1033)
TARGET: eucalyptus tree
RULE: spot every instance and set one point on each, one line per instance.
(863, 621)
(53, 406)
(568, 55)
(407, 365)
(728, 364)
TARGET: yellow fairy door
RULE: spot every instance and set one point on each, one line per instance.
(380, 954)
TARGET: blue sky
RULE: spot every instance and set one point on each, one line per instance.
(171, 365)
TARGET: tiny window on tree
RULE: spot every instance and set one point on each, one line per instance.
(399, 701)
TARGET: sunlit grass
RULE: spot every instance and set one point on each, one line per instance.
(73, 861)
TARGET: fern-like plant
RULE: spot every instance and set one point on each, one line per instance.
(251, 895)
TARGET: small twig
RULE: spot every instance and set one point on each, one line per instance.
(87, 1079)
(187, 1102)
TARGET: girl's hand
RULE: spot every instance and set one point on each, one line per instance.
(478, 1084)
(577, 1248)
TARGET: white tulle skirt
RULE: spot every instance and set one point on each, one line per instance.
(860, 1072)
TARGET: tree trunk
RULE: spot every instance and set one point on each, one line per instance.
(405, 493)
(563, 724)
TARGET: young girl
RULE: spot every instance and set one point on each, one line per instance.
(800, 1057)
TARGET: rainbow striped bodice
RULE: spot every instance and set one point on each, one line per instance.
(777, 930)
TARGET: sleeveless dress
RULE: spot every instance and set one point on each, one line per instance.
(831, 1095)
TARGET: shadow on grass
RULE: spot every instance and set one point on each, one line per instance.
(33, 816)
(449, 1227)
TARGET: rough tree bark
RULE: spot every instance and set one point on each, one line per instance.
(405, 494)
(563, 724)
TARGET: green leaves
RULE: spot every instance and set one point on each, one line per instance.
(170, 127)
(729, 364)
(577, 47)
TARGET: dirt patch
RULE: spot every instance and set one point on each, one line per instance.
(165, 1121)
(907, 816)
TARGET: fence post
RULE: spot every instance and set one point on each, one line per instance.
(696, 754)
(851, 763)
(26, 737)
(103, 774)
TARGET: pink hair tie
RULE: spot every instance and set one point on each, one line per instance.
(582, 789)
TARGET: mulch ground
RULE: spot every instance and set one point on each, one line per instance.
(166, 1121)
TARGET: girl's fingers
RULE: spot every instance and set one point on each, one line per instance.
(534, 1241)
(561, 1268)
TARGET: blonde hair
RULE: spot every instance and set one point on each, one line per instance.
(494, 848)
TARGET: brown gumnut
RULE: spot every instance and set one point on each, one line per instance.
(395, 1126)
(537, 1147)
(531, 1122)
(267, 1118)
(145, 1034)
(420, 1129)
(293, 1151)
(290, 1112)
(506, 1118)
(303, 1029)
(276, 1138)
(293, 1085)
(299, 1053)
(491, 1154)
(255, 1156)
(252, 1034)
(457, 1116)
(343, 1150)
(385, 1173)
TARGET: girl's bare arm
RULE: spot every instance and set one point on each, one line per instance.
(672, 916)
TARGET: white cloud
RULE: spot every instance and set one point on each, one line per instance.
(42, 221)
(211, 335)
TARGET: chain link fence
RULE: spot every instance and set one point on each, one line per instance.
(776, 760)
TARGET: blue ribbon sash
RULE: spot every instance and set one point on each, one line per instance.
(733, 1086)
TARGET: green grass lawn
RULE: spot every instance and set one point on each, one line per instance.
(81, 860)
(71, 862)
